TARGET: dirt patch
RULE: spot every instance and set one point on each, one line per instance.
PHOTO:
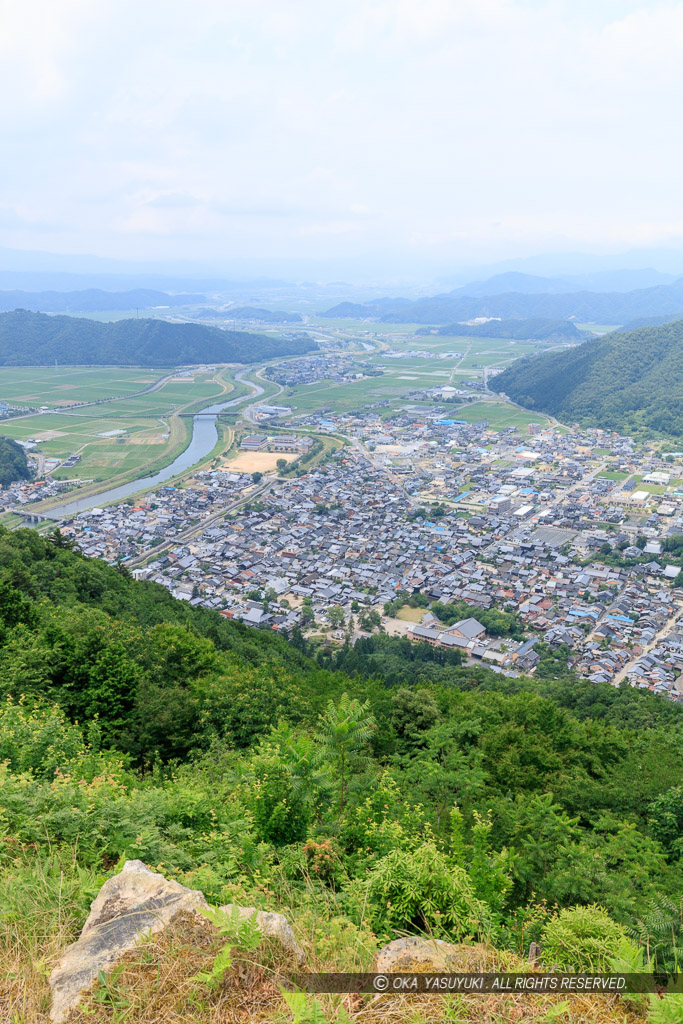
(256, 462)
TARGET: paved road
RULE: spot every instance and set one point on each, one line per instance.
(103, 401)
(198, 528)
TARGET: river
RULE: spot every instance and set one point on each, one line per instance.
(204, 437)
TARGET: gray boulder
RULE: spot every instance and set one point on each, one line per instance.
(130, 906)
(416, 954)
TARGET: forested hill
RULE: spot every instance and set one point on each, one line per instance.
(538, 329)
(13, 462)
(380, 790)
(92, 299)
(623, 381)
(583, 306)
(264, 316)
(34, 339)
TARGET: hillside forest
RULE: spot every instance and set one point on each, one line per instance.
(33, 339)
(630, 381)
(13, 462)
(377, 790)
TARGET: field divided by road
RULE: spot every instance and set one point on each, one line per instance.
(36, 386)
(118, 436)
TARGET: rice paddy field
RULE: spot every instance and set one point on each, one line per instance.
(123, 433)
(412, 363)
(36, 386)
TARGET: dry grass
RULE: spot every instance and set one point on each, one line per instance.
(155, 986)
(37, 923)
(154, 983)
(495, 1009)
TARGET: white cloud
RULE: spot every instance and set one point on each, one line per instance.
(424, 125)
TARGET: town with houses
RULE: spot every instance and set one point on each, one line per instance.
(563, 530)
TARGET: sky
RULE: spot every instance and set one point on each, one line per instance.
(432, 129)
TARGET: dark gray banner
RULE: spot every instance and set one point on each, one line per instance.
(607, 984)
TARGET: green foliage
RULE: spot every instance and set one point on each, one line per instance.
(666, 821)
(344, 734)
(33, 339)
(660, 933)
(13, 462)
(620, 382)
(396, 660)
(281, 815)
(496, 623)
(582, 939)
(239, 930)
(420, 891)
(132, 725)
(554, 661)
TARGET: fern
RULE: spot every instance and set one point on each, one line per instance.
(242, 932)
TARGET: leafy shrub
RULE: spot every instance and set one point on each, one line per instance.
(421, 891)
(280, 813)
(582, 939)
(323, 861)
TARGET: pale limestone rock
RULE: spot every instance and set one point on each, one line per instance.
(416, 954)
(272, 926)
(135, 903)
(132, 904)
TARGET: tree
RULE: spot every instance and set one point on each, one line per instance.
(369, 620)
(281, 464)
(413, 713)
(256, 476)
(666, 821)
(336, 616)
(307, 613)
(345, 730)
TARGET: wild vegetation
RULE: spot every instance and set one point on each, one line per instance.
(624, 381)
(377, 790)
(13, 462)
(33, 339)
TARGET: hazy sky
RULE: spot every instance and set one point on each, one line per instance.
(459, 128)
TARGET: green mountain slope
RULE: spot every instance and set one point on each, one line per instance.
(33, 339)
(371, 792)
(13, 462)
(536, 329)
(624, 381)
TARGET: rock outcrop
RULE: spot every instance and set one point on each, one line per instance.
(133, 904)
(419, 955)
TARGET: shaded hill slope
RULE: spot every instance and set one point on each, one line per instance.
(623, 381)
(33, 339)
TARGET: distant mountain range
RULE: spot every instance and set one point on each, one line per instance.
(623, 381)
(539, 329)
(583, 306)
(91, 300)
(263, 316)
(533, 284)
(34, 339)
